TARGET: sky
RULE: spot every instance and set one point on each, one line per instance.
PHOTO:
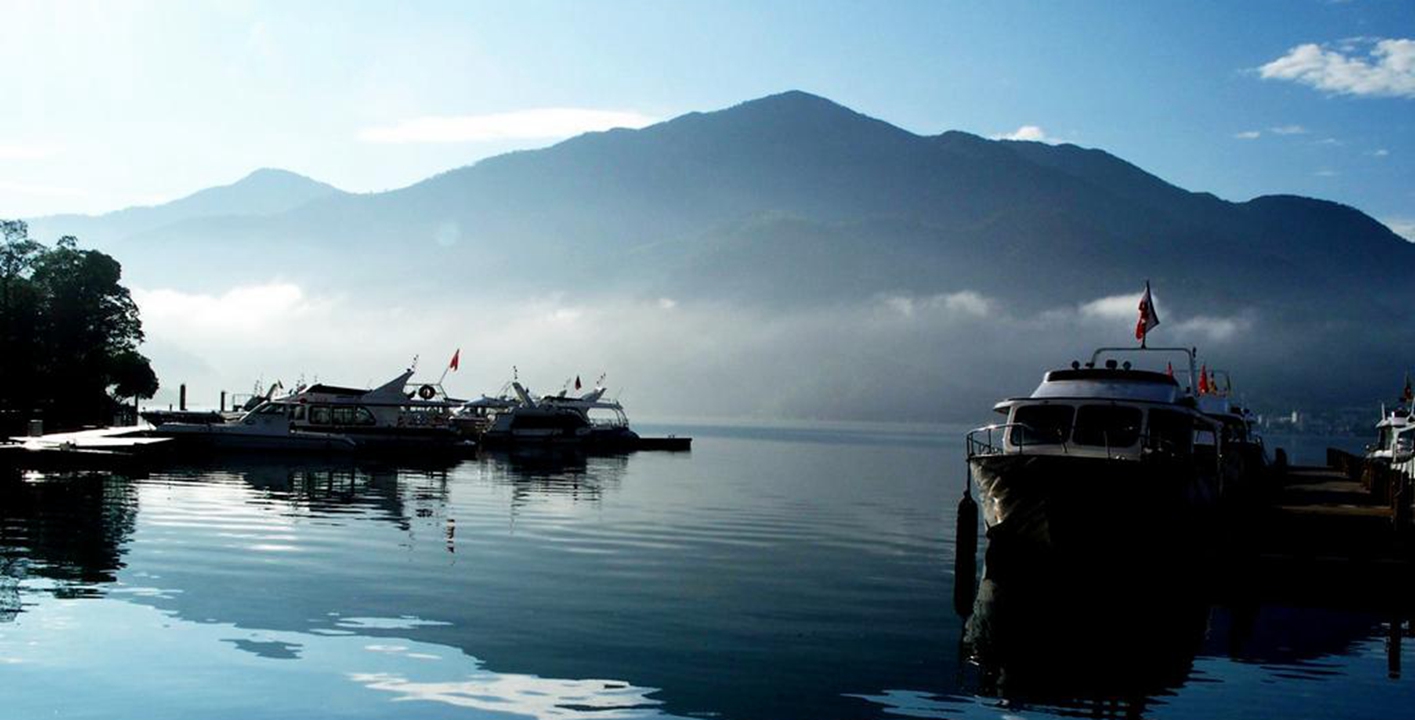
(111, 104)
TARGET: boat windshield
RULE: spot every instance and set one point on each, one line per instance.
(1172, 431)
(1041, 424)
(1107, 425)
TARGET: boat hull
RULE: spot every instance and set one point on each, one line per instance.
(1050, 504)
(230, 438)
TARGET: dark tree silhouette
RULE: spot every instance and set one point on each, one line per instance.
(69, 332)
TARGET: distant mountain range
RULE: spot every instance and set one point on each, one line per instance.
(794, 201)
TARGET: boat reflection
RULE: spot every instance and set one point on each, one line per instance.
(66, 529)
(1106, 644)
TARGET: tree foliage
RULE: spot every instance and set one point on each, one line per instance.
(69, 333)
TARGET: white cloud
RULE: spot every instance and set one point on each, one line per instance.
(241, 314)
(1248, 135)
(1289, 130)
(1214, 328)
(541, 124)
(1326, 173)
(1030, 133)
(1404, 227)
(961, 303)
(1330, 142)
(1387, 70)
(1381, 152)
(44, 190)
(1115, 307)
(28, 152)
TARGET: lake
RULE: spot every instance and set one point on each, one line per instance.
(773, 572)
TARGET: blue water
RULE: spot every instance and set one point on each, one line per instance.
(769, 573)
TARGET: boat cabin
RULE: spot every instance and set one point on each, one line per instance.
(1110, 412)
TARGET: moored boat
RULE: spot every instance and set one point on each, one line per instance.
(1098, 456)
(268, 427)
(587, 420)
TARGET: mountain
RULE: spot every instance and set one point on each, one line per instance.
(792, 203)
(265, 191)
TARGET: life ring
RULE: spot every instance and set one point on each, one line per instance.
(427, 392)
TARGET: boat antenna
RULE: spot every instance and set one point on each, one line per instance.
(415, 363)
(515, 374)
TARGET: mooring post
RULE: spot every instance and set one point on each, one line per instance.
(182, 396)
(965, 557)
(1397, 626)
(222, 406)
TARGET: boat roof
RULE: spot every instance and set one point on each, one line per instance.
(335, 390)
(1110, 384)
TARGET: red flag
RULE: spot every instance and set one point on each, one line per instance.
(577, 382)
(1148, 317)
(1204, 380)
(1169, 369)
(456, 359)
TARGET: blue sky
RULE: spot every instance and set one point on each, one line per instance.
(110, 104)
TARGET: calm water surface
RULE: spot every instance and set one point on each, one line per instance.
(769, 573)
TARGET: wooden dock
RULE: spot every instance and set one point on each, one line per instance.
(1344, 530)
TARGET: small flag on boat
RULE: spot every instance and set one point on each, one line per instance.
(577, 382)
(1409, 393)
(1148, 317)
(456, 359)
(1169, 369)
(1204, 380)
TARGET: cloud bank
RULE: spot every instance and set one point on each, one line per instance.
(905, 357)
(1386, 70)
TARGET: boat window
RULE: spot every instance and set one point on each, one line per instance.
(319, 414)
(1107, 425)
(1041, 424)
(271, 409)
(1171, 431)
(343, 416)
(1234, 430)
(299, 413)
(362, 416)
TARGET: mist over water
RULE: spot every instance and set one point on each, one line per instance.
(889, 357)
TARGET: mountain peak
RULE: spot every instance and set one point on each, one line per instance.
(270, 175)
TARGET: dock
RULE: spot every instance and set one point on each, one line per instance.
(110, 449)
(1343, 529)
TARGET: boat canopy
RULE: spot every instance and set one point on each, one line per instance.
(1137, 385)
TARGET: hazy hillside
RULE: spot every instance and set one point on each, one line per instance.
(263, 192)
(792, 205)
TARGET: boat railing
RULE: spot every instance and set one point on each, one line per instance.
(982, 441)
(997, 439)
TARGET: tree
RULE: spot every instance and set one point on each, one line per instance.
(70, 333)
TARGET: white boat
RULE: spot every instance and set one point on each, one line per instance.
(267, 427)
(1098, 456)
(1245, 456)
(522, 418)
(398, 414)
(1395, 440)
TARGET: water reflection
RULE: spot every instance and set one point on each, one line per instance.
(66, 529)
(1106, 644)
